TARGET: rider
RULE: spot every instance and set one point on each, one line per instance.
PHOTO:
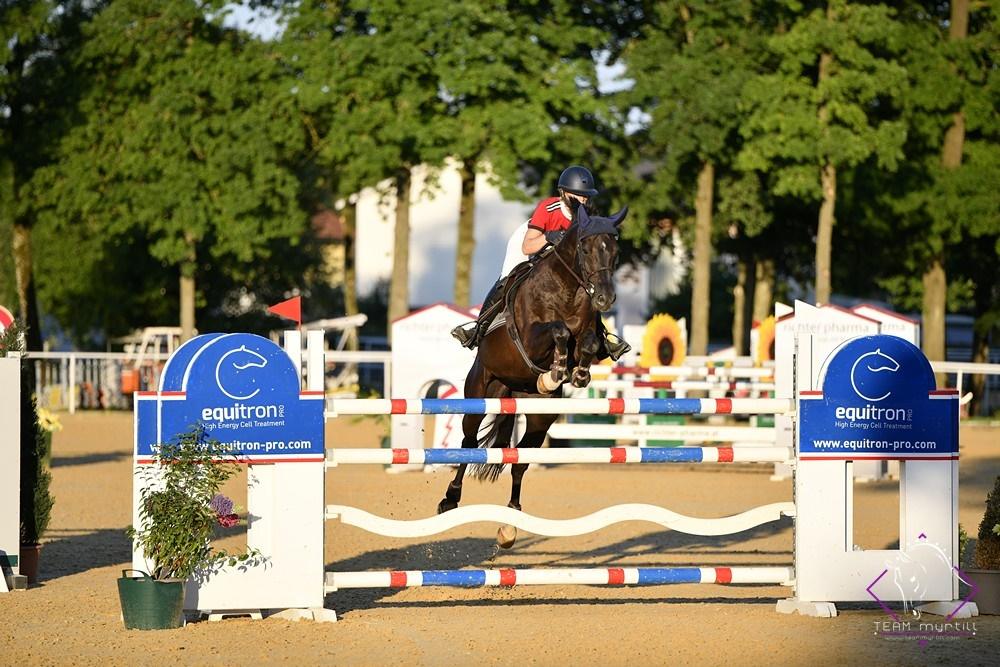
(547, 226)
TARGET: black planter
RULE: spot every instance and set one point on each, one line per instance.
(148, 604)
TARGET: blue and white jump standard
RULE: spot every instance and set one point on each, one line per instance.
(287, 504)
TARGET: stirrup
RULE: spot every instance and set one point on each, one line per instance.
(616, 346)
(467, 337)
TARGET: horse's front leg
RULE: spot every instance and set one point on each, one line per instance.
(586, 351)
(550, 381)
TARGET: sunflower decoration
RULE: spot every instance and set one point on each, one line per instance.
(664, 343)
(764, 349)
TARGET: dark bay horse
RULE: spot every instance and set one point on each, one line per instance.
(552, 317)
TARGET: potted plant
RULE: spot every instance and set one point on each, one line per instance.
(36, 501)
(986, 574)
(180, 507)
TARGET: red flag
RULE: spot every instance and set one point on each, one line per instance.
(290, 309)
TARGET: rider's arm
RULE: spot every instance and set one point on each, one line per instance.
(534, 240)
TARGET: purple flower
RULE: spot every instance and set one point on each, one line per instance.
(228, 520)
(221, 505)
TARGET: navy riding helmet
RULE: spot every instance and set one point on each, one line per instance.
(578, 180)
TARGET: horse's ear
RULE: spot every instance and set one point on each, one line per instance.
(619, 217)
(582, 216)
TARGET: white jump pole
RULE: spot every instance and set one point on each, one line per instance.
(10, 473)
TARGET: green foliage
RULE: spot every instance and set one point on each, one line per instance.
(988, 544)
(798, 121)
(176, 521)
(690, 62)
(180, 154)
(924, 210)
(139, 139)
(36, 501)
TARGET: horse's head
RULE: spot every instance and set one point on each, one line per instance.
(597, 255)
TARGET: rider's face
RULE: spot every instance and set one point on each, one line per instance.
(572, 195)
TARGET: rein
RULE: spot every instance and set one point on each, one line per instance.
(587, 286)
(585, 283)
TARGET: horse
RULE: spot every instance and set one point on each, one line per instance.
(549, 337)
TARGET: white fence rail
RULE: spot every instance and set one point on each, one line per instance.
(69, 380)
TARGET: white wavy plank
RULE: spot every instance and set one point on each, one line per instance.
(559, 527)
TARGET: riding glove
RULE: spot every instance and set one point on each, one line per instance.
(555, 237)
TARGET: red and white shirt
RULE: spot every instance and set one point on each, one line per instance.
(551, 215)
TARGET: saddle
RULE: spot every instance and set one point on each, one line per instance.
(496, 312)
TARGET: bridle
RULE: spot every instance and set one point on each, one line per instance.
(586, 281)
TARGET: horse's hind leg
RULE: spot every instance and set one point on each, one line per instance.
(475, 386)
(535, 430)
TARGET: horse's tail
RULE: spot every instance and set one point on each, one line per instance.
(498, 434)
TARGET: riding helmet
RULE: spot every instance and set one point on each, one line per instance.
(578, 180)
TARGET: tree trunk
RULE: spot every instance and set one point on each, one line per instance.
(763, 294)
(24, 277)
(399, 287)
(935, 295)
(701, 275)
(187, 304)
(187, 295)
(739, 301)
(824, 234)
(466, 234)
(934, 279)
(828, 184)
(350, 220)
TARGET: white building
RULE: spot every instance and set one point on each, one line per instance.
(434, 237)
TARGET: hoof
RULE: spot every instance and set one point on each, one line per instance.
(581, 378)
(506, 536)
(446, 505)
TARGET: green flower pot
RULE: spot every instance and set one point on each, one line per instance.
(148, 604)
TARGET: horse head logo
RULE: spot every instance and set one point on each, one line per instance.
(870, 375)
(231, 373)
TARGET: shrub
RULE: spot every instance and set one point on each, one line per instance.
(988, 544)
(180, 507)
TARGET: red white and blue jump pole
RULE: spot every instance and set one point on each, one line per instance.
(559, 406)
(612, 576)
(346, 456)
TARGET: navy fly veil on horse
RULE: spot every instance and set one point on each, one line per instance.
(591, 225)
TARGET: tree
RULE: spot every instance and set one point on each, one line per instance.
(690, 62)
(365, 75)
(832, 103)
(943, 197)
(513, 78)
(37, 41)
(184, 135)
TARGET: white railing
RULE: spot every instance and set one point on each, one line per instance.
(64, 377)
(69, 380)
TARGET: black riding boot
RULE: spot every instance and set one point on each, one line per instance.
(470, 336)
(609, 344)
